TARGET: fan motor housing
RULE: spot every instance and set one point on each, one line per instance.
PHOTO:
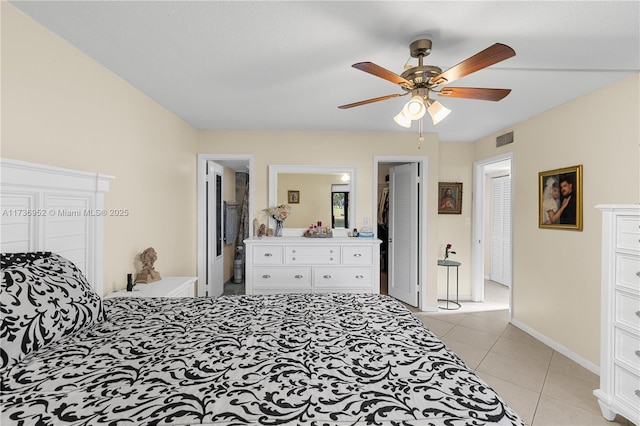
(421, 75)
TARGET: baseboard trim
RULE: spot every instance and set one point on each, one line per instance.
(430, 308)
(595, 369)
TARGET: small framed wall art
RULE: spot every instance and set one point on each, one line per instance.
(293, 197)
(560, 198)
(450, 197)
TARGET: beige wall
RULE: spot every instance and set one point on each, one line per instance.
(60, 107)
(556, 273)
(456, 160)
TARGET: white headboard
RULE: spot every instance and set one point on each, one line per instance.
(45, 208)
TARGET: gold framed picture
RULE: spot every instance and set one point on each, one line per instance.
(293, 197)
(450, 197)
(560, 198)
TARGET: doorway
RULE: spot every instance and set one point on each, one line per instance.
(217, 244)
(412, 281)
(492, 225)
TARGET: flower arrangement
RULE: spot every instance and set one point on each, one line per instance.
(448, 251)
(279, 213)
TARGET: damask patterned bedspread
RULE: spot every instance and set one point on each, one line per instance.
(332, 359)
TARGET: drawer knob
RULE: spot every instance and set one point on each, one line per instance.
(638, 314)
(359, 277)
(357, 255)
(330, 251)
(293, 258)
(268, 255)
(327, 277)
(331, 258)
(265, 276)
(638, 274)
(638, 354)
(293, 251)
(298, 276)
(637, 393)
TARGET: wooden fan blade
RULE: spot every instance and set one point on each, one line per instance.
(474, 93)
(369, 101)
(378, 71)
(489, 56)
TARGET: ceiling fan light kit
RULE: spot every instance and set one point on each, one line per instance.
(422, 79)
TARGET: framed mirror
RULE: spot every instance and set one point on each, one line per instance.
(324, 194)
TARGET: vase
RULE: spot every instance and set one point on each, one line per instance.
(279, 227)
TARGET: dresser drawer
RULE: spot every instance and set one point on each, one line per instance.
(300, 277)
(267, 255)
(344, 276)
(628, 271)
(280, 290)
(628, 232)
(312, 255)
(627, 386)
(361, 290)
(627, 349)
(357, 255)
(627, 310)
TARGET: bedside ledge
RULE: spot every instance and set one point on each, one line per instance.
(166, 287)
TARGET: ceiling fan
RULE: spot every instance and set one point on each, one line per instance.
(422, 79)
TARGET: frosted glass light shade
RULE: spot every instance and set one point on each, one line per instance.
(437, 112)
(402, 119)
(415, 108)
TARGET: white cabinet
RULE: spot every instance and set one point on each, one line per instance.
(312, 265)
(166, 287)
(619, 391)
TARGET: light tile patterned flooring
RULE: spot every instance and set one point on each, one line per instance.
(543, 386)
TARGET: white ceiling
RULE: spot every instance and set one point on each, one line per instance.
(266, 65)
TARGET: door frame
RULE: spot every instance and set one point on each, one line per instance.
(422, 214)
(480, 168)
(201, 190)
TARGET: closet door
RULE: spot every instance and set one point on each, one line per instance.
(403, 233)
(501, 230)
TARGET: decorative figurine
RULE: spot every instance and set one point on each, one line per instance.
(148, 273)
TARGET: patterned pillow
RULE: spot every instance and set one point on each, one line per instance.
(13, 259)
(41, 301)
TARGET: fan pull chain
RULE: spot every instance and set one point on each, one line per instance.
(420, 135)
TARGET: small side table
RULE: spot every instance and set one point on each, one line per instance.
(449, 264)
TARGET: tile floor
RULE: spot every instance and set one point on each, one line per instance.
(543, 386)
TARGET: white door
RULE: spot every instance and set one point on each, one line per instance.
(501, 230)
(403, 233)
(215, 233)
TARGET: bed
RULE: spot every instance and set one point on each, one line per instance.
(334, 359)
(68, 357)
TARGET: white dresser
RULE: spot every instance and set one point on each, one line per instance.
(166, 287)
(619, 391)
(312, 265)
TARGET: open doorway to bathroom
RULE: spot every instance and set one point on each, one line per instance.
(225, 197)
